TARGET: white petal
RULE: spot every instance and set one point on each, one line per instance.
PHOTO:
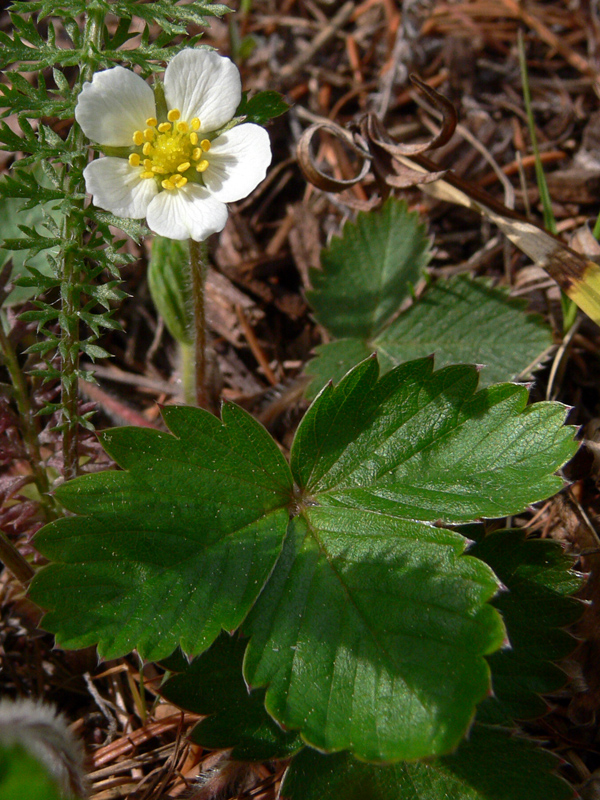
(116, 186)
(188, 213)
(203, 84)
(237, 162)
(115, 104)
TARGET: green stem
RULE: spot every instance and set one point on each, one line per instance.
(187, 371)
(569, 308)
(71, 268)
(14, 561)
(198, 269)
(29, 427)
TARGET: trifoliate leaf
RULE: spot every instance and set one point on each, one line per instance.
(173, 549)
(492, 764)
(213, 685)
(369, 271)
(460, 320)
(537, 608)
(369, 629)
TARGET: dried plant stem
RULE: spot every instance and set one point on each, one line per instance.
(71, 274)
(14, 561)
(29, 427)
(198, 269)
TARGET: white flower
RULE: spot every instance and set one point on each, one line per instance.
(175, 171)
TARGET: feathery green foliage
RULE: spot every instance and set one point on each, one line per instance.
(82, 259)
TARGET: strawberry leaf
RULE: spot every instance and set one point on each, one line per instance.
(338, 634)
(460, 320)
(537, 608)
(369, 626)
(492, 764)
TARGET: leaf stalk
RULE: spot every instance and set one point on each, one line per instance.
(198, 270)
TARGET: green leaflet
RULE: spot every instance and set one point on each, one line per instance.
(371, 634)
(413, 444)
(213, 685)
(174, 549)
(460, 320)
(537, 609)
(369, 271)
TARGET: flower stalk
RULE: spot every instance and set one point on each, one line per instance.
(198, 270)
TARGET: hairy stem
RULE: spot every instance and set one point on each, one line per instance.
(71, 269)
(29, 427)
(198, 269)
(187, 371)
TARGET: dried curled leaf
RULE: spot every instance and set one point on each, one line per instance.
(375, 132)
(373, 144)
(308, 164)
(402, 165)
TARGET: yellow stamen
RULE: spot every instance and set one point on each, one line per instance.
(170, 150)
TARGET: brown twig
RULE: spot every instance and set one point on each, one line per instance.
(253, 344)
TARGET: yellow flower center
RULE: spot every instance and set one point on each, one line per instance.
(170, 152)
